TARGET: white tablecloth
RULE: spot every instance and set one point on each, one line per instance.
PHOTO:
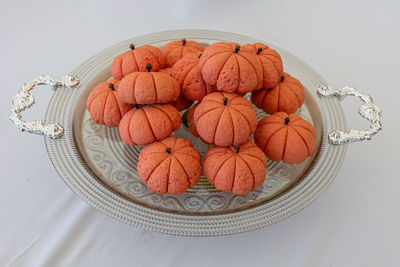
(355, 223)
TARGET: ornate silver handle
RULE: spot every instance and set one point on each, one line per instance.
(24, 100)
(368, 110)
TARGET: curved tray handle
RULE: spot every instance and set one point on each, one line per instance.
(24, 100)
(368, 110)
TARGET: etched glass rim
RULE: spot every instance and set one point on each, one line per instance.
(75, 173)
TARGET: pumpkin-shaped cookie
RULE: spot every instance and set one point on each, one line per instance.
(190, 120)
(239, 168)
(286, 96)
(166, 70)
(270, 61)
(104, 106)
(136, 60)
(148, 88)
(175, 50)
(182, 103)
(286, 137)
(146, 124)
(171, 165)
(186, 71)
(231, 68)
(225, 119)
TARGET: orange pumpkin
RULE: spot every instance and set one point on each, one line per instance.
(136, 60)
(230, 68)
(286, 137)
(239, 169)
(146, 124)
(287, 96)
(166, 70)
(225, 119)
(186, 71)
(148, 88)
(175, 50)
(270, 62)
(182, 103)
(190, 121)
(171, 165)
(104, 106)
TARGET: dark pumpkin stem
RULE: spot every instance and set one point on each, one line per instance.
(287, 120)
(111, 86)
(168, 150)
(259, 50)
(225, 101)
(149, 67)
(200, 55)
(132, 46)
(137, 106)
(237, 148)
(282, 78)
(183, 41)
(237, 48)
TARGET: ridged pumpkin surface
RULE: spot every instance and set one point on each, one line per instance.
(136, 60)
(149, 123)
(175, 50)
(186, 71)
(231, 68)
(270, 62)
(171, 165)
(104, 106)
(148, 88)
(239, 169)
(286, 137)
(225, 119)
(286, 96)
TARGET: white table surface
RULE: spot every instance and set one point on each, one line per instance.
(356, 221)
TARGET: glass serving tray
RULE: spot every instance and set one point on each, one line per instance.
(100, 168)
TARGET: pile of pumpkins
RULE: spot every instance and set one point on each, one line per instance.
(151, 86)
